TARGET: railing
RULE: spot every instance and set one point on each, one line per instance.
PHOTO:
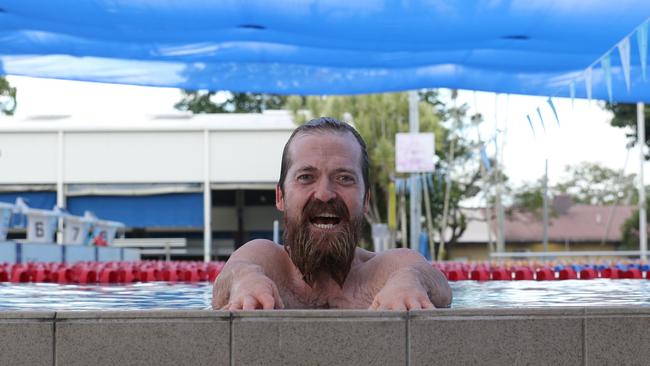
(153, 246)
(594, 253)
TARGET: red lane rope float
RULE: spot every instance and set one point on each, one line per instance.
(567, 274)
(110, 272)
(611, 272)
(588, 274)
(479, 274)
(523, 274)
(501, 274)
(632, 273)
(545, 274)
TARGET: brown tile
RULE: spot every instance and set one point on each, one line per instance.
(502, 337)
(27, 338)
(319, 338)
(618, 339)
(143, 338)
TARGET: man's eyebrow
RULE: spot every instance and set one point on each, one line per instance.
(306, 168)
(345, 170)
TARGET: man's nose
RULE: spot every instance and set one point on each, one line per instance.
(324, 191)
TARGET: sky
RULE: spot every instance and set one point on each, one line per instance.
(583, 133)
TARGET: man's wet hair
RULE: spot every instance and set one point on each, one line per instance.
(320, 125)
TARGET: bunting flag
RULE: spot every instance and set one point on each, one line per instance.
(588, 82)
(572, 92)
(642, 38)
(530, 122)
(550, 103)
(606, 63)
(624, 52)
(485, 160)
(541, 120)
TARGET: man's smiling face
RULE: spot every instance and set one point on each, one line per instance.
(325, 166)
(323, 201)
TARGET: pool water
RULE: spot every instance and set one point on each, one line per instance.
(196, 296)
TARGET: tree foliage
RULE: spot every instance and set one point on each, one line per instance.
(7, 97)
(205, 101)
(593, 184)
(529, 197)
(586, 183)
(624, 116)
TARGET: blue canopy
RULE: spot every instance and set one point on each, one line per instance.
(536, 47)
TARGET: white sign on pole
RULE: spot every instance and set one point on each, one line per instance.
(41, 227)
(5, 220)
(414, 152)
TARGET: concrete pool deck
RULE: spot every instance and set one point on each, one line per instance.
(524, 336)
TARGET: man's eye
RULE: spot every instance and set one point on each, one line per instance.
(304, 177)
(346, 179)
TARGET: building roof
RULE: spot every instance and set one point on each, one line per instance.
(280, 120)
(578, 223)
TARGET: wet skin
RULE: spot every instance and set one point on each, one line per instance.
(261, 275)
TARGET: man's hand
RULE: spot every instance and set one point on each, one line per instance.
(254, 291)
(250, 278)
(403, 291)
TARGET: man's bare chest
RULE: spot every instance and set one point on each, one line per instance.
(354, 295)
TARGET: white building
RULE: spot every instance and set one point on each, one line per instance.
(209, 176)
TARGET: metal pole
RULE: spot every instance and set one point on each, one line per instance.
(643, 233)
(414, 126)
(276, 231)
(545, 205)
(498, 154)
(60, 193)
(207, 199)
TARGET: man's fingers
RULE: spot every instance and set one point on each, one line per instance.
(426, 304)
(250, 303)
(235, 306)
(374, 305)
(400, 306)
(267, 301)
(413, 304)
(278, 300)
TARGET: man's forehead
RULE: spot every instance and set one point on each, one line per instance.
(318, 139)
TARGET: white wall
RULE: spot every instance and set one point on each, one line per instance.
(243, 149)
(240, 156)
(133, 157)
(28, 157)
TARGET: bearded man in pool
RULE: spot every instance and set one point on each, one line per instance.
(323, 192)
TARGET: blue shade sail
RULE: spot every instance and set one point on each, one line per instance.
(535, 47)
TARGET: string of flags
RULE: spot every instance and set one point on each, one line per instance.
(624, 50)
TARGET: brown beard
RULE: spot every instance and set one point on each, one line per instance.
(317, 253)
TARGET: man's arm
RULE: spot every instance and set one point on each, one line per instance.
(403, 280)
(250, 278)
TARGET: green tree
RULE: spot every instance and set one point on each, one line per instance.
(529, 198)
(593, 184)
(7, 97)
(624, 116)
(205, 101)
(378, 117)
(630, 228)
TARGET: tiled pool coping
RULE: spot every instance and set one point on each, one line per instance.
(525, 336)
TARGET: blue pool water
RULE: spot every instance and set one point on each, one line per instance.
(467, 294)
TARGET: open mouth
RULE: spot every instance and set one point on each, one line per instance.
(325, 221)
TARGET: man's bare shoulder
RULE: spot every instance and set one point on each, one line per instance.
(362, 256)
(261, 251)
(263, 245)
(387, 261)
